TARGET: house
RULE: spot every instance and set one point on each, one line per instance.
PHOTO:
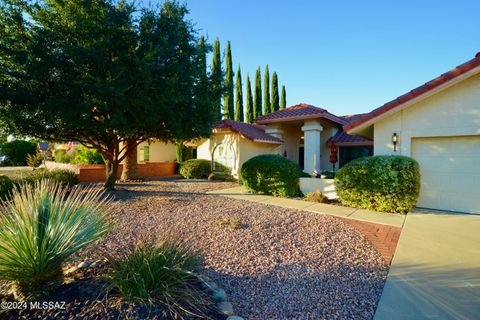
(437, 124)
(301, 133)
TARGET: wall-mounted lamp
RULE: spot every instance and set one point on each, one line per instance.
(394, 141)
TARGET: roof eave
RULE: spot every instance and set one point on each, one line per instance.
(308, 117)
(363, 124)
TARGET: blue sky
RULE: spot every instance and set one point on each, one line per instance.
(345, 56)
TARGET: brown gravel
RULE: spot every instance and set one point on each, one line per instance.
(283, 263)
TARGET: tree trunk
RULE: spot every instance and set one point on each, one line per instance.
(130, 164)
(111, 170)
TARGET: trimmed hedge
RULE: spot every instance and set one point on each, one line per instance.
(65, 177)
(271, 174)
(195, 169)
(382, 183)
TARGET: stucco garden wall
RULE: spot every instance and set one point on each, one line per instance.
(452, 112)
(159, 151)
(325, 186)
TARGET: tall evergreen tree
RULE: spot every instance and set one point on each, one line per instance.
(275, 106)
(115, 88)
(228, 106)
(239, 96)
(266, 92)
(249, 108)
(257, 101)
(217, 76)
(283, 99)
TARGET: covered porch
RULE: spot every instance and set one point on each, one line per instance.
(307, 132)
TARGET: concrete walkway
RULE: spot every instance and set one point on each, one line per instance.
(395, 220)
(435, 273)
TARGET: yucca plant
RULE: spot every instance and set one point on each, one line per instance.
(41, 227)
(161, 273)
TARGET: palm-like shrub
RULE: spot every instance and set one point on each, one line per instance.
(41, 227)
(162, 273)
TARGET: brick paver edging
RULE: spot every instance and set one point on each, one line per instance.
(383, 237)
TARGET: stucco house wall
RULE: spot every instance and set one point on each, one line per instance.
(159, 152)
(242, 149)
(454, 111)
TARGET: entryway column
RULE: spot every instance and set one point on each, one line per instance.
(277, 132)
(311, 132)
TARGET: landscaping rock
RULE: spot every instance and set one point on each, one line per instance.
(84, 264)
(225, 308)
(234, 318)
(219, 295)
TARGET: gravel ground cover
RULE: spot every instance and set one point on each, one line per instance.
(279, 264)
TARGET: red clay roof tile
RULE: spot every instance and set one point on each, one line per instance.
(299, 112)
(252, 132)
(343, 139)
(430, 85)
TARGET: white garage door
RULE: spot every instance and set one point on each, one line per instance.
(450, 172)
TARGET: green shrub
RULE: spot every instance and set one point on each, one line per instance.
(16, 152)
(195, 169)
(316, 196)
(62, 156)
(6, 187)
(66, 178)
(162, 273)
(383, 183)
(84, 155)
(35, 160)
(272, 174)
(40, 228)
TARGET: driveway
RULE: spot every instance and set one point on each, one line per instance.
(435, 273)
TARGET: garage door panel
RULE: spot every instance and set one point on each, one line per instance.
(450, 172)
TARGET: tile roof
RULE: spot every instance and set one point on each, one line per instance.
(299, 112)
(344, 139)
(429, 86)
(252, 132)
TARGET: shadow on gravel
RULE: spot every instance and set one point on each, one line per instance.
(290, 291)
(128, 194)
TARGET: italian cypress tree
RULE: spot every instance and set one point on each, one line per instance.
(283, 100)
(228, 107)
(257, 101)
(266, 92)
(217, 76)
(249, 114)
(275, 106)
(238, 96)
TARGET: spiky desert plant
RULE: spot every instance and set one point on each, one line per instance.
(43, 225)
(162, 273)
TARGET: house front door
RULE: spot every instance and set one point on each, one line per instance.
(301, 157)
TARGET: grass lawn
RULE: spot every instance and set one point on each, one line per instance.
(14, 172)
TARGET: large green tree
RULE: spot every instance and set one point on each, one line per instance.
(249, 103)
(228, 107)
(275, 97)
(239, 96)
(102, 74)
(217, 75)
(257, 100)
(266, 92)
(283, 99)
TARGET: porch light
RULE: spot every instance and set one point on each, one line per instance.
(394, 141)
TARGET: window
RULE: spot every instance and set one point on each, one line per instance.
(145, 153)
(348, 154)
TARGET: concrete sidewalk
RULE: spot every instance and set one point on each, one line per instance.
(435, 273)
(395, 220)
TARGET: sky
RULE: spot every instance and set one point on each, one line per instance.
(345, 56)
